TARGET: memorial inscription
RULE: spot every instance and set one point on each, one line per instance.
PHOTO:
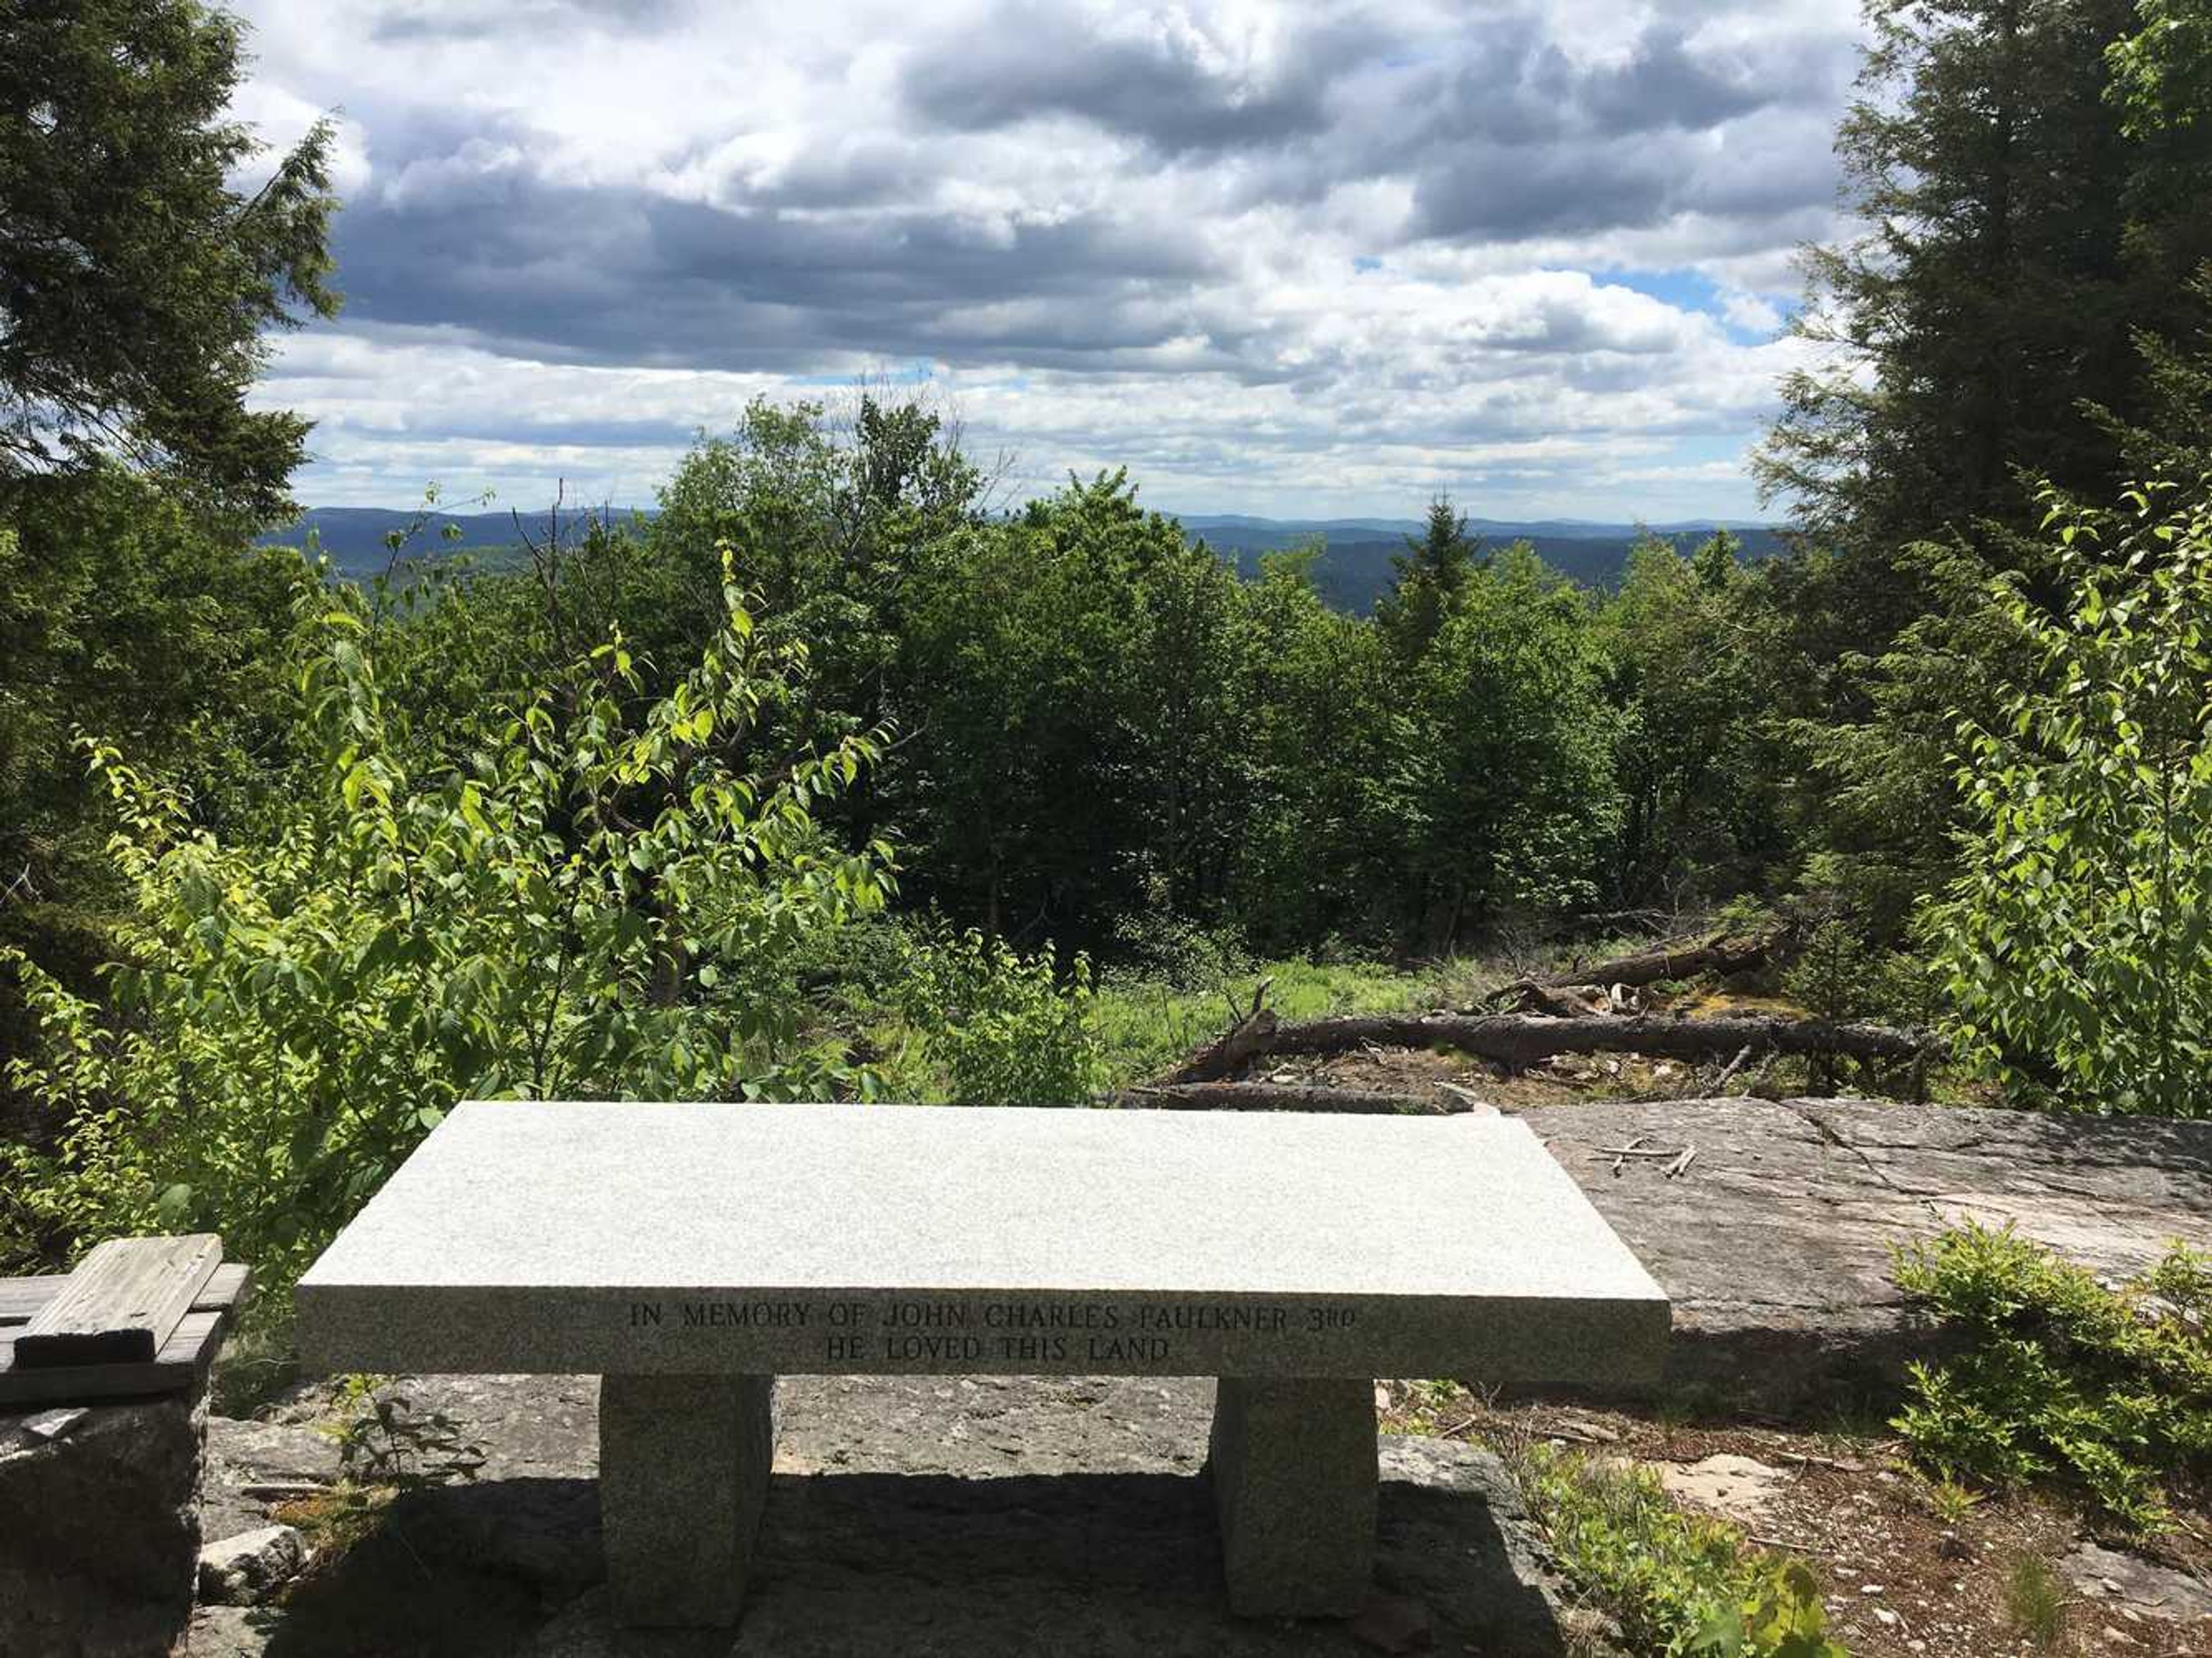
(1014, 1334)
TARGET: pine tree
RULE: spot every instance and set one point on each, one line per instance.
(2018, 231)
(136, 285)
(1431, 575)
(2032, 226)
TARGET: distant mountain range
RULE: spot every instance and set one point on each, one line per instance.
(354, 537)
(1352, 570)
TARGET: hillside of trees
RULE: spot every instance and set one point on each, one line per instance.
(691, 804)
(1353, 565)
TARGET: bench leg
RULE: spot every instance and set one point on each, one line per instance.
(683, 1469)
(1292, 1463)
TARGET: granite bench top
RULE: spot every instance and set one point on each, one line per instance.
(829, 1239)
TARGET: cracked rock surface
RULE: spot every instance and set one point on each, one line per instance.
(1775, 1242)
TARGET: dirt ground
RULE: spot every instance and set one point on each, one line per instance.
(1901, 1581)
(1571, 1077)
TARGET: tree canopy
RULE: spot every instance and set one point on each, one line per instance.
(138, 282)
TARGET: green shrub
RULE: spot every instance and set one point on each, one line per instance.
(1680, 1586)
(383, 1439)
(604, 900)
(1000, 1025)
(2103, 1389)
(2075, 944)
(1832, 978)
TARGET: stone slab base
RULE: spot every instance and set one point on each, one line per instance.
(684, 1470)
(99, 1530)
(1292, 1467)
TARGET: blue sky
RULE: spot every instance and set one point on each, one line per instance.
(1311, 259)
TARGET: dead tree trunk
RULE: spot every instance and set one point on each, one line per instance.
(1249, 1034)
(1718, 954)
(1518, 1040)
(1281, 1096)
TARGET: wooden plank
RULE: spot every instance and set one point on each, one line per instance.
(182, 1361)
(226, 1289)
(20, 1298)
(121, 1304)
(178, 1366)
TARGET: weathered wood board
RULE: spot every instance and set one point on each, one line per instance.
(20, 1298)
(122, 1303)
(178, 1365)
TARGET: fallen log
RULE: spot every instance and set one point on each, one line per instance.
(1518, 1040)
(1227, 1053)
(1678, 960)
(1281, 1097)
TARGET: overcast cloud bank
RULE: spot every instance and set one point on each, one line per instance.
(1296, 260)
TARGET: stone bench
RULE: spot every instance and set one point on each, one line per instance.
(690, 1253)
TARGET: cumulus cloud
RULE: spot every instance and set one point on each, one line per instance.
(1276, 258)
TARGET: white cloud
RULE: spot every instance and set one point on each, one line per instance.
(1275, 258)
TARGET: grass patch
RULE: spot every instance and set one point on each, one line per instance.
(1146, 1025)
(1683, 1585)
(2035, 1602)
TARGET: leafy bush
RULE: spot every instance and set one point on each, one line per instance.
(386, 1447)
(383, 1439)
(603, 900)
(1683, 1586)
(2103, 1388)
(2075, 946)
(1000, 1024)
(1501, 771)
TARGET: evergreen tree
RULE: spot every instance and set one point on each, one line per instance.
(136, 287)
(2032, 224)
(1432, 574)
(2019, 228)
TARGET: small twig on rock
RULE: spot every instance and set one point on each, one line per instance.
(1794, 1548)
(1720, 1083)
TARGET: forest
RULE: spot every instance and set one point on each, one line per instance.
(838, 777)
